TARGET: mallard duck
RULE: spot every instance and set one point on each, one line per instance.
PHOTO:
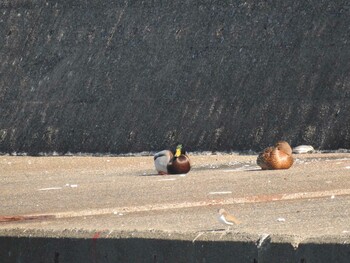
(167, 162)
(277, 157)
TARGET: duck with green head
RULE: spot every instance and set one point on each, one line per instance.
(177, 162)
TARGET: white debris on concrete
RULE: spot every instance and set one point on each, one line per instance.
(303, 149)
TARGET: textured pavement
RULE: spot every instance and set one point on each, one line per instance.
(60, 196)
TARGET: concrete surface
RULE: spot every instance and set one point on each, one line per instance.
(115, 209)
(131, 76)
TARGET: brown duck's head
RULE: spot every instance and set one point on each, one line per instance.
(284, 147)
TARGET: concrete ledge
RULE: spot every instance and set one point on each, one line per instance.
(157, 246)
(116, 209)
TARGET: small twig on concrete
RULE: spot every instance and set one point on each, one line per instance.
(200, 234)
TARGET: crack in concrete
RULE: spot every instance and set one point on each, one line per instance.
(157, 207)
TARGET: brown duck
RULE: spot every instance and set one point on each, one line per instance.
(277, 157)
(167, 162)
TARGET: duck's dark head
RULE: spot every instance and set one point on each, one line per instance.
(179, 151)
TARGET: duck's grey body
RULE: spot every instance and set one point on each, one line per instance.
(161, 160)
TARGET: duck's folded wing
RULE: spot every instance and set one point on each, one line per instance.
(264, 157)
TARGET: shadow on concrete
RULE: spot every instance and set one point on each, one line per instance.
(23, 249)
